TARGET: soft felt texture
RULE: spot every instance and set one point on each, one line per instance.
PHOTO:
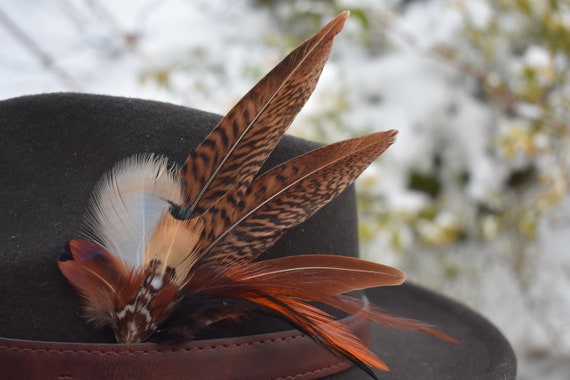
(55, 148)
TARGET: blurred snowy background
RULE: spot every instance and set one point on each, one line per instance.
(472, 200)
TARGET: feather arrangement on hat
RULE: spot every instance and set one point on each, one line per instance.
(158, 237)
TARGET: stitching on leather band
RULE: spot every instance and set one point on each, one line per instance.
(351, 321)
(316, 371)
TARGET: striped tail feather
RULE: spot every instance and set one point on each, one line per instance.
(232, 154)
(240, 228)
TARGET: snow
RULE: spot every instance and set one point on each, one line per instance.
(211, 52)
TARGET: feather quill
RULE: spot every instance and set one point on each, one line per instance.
(174, 249)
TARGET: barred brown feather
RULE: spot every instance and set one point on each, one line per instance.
(284, 197)
(232, 154)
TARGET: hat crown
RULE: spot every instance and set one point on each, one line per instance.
(57, 147)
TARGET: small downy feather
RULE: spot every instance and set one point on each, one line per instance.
(162, 241)
(128, 202)
(172, 247)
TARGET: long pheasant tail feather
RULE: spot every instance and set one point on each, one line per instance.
(286, 284)
(323, 278)
(284, 197)
(318, 274)
(280, 288)
(232, 154)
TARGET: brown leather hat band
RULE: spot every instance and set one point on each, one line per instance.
(283, 355)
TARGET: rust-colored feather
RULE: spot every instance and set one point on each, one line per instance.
(324, 279)
(99, 276)
(320, 274)
(322, 327)
(232, 154)
(285, 285)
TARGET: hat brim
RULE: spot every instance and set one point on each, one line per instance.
(58, 145)
(483, 352)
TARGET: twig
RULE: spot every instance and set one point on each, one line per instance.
(507, 99)
(45, 59)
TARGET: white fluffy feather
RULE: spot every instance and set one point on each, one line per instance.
(128, 202)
